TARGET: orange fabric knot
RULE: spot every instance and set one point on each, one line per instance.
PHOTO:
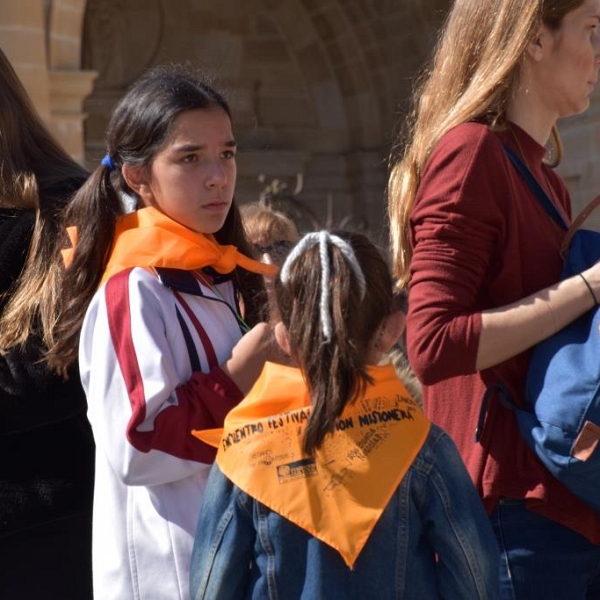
(149, 238)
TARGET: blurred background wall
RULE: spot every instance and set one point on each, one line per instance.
(318, 87)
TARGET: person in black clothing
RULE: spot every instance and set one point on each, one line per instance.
(46, 443)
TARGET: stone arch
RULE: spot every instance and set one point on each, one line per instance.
(358, 46)
(374, 47)
(313, 84)
(328, 57)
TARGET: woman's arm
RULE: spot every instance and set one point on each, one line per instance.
(486, 259)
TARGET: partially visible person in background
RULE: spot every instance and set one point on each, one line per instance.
(46, 443)
(272, 234)
(397, 354)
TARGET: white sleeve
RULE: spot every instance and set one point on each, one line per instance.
(143, 398)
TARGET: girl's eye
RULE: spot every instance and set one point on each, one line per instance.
(228, 154)
(190, 158)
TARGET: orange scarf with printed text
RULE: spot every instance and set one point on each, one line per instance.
(148, 238)
(339, 495)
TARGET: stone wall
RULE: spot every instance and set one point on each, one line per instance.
(42, 39)
(317, 87)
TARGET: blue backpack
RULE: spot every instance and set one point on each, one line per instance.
(562, 420)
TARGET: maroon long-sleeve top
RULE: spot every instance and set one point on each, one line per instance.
(482, 240)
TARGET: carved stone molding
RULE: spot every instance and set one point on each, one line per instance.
(68, 90)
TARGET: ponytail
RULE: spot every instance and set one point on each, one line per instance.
(333, 292)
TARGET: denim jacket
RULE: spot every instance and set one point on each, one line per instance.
(433, 540)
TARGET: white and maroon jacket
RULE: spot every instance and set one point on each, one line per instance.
(144, 398)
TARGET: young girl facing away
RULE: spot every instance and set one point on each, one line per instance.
(329, 481)
(150, 301)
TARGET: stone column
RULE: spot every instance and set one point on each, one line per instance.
(55, 84)
(23, 40)
(68, 90)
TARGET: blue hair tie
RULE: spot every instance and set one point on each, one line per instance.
(108, 162)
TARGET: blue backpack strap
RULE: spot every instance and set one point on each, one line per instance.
(499, 391)
(536, 188)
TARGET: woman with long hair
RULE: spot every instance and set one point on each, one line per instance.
(482, 259)
(47, 466)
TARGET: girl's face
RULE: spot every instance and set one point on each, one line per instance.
(568, 67)
(192, 177)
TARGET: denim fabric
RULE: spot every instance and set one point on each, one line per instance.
(542, 559)
(433, 540)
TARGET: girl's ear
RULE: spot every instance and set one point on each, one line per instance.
(282, 337)
(391, 330)
(137, 179)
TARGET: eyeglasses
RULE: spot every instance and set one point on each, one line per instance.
(276, 246)
(277, 250)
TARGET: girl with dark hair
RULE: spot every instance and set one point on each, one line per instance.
(482, 258)
(329, 481)
(151, 301)
(46, 443)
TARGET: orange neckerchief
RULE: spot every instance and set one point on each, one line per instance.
(340, 494)
(148, 238)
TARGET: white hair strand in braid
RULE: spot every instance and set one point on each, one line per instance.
(323, 238)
